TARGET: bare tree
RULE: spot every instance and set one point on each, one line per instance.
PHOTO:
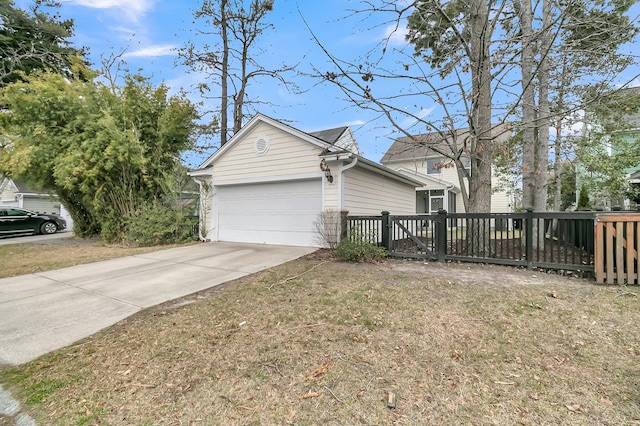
(449, 66)
(230, 55)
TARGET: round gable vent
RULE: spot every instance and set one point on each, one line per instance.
(262, 145)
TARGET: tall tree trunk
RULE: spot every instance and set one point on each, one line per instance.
(529, 116)
(224, 75)
(544, 120)
(528, 105)
(238, 102)
(481, 136)
(544, 114)
(480, 185)
(557, 168)
(557, 146)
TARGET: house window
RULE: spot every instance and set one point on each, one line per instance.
(466, 163)
(434, 165)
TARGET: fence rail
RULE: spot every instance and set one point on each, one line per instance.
(581, 243)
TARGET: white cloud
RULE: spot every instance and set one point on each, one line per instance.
(409, 122)
(131, 9)
(153, 51)
(136, 5)
(353, 123)
(396, 35)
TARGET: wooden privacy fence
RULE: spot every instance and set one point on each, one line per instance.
(617, 242)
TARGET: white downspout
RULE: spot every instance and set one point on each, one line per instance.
(341, 188)
(199, 182)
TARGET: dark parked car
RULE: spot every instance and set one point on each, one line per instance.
(20, 221)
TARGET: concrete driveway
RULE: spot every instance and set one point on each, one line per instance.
(49, 310)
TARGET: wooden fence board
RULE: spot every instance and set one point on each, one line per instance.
(616, 250)
(620, 269)
(610, 251)
(632, 254)
(599, 252)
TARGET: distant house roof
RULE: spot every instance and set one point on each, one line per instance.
(24, 188)
(428, 144)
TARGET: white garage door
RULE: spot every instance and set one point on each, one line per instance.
(272, 213)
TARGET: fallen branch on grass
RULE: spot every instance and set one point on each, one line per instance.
(296, 276)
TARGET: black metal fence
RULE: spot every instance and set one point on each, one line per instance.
(560, 241)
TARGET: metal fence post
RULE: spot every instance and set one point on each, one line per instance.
(528, 235)
(441, 234)
(386, 240)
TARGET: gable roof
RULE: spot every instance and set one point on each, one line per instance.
(329, 150)
(428, 144)
(423, 177)
(21, 186)
(260, 118)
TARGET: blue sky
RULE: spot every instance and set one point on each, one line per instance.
(150, 31)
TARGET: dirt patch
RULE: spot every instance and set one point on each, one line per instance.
(325, 342)
(488, 275)
(322, 255)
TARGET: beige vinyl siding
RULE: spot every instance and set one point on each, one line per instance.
(417, 166)
(332, 192)
(367, 193)
(287, 155)
(41, 205)
(501, 200)
(446, 174)
(8, 196)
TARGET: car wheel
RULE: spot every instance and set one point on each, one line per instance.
(48, 228)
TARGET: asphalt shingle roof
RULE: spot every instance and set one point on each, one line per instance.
(330, 135)
(427, 144)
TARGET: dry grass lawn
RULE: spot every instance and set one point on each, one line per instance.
(20, 259)
(317, 342)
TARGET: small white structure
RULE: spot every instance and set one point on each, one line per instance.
(272, 183)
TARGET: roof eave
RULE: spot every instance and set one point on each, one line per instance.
(371, 165)
(254, 122)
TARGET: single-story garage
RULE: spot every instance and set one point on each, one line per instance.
(274, 184)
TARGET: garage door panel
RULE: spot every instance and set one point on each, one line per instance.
(271, 213)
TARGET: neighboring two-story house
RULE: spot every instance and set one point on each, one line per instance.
(420, 158)
(617, 136)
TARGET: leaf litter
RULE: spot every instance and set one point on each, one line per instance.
(329, 345)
